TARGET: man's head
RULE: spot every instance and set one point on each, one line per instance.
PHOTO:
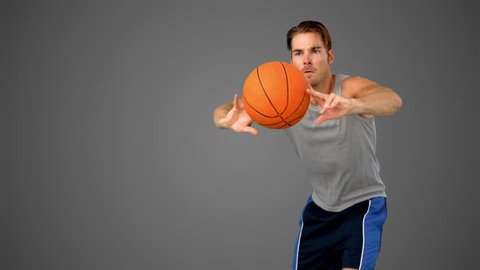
(311, 51)
(310, 27)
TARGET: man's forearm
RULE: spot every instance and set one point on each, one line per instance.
(381, 102)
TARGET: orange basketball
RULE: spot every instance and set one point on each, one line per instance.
(275, 96)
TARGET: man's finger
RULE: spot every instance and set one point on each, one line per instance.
(331, 98)
(330, 103)
(321, 119)
(317, 97)
(251, 130)
(235, 101)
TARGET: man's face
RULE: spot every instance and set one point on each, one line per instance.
(311, 57)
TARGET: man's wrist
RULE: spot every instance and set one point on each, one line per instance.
(223, 124)
(356, 106)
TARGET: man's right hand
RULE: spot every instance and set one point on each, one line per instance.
(237, 118)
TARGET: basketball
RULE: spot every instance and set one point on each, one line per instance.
(275, 96)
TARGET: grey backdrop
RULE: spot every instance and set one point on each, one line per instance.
(110, 159)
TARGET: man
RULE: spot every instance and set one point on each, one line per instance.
(342, 222)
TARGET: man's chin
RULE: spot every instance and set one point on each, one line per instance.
(311, 80)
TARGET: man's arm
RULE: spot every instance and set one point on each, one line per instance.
(359, 96)
(369, 98)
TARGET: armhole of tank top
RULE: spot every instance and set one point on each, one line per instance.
(368, 120)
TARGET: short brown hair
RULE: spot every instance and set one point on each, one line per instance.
(310, 27)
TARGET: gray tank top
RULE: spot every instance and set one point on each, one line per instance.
(339, 156)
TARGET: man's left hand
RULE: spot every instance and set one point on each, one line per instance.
(333, 106)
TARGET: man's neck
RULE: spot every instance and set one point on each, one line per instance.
(327, 85)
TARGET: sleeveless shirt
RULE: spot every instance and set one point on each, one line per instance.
(339, 156)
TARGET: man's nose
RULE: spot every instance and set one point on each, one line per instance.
(307, 59)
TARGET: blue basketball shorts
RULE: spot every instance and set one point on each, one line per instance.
(333, 240)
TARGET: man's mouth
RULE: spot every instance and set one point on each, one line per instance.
(308, 70)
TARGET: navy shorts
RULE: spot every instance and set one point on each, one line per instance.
(334, 240)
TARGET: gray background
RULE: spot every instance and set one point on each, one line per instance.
(110, 159)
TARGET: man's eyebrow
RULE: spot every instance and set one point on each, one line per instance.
(310, 49)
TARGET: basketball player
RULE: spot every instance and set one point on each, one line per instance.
(341, 224)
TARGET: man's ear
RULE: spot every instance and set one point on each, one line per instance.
(331, 56)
